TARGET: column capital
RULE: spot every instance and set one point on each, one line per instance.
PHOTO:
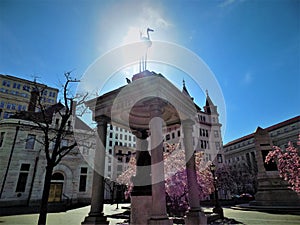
(102, 120)
(187, 123)
(140, 134)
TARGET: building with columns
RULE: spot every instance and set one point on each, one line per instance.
(148, 106)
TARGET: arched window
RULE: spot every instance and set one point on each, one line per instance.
(57, 177)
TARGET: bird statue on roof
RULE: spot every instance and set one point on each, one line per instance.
(147, 42)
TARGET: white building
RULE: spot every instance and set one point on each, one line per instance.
(22, 165)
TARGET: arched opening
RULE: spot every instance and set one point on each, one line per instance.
(56, 187)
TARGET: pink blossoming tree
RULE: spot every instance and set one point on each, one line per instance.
(176, 178)
(288, 164)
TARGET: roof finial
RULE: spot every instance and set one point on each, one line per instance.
(206, 93)
(183, 82)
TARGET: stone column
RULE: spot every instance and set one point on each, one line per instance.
(194, 216)
(141, 198)
(96, 215)
(142, 179)
(159, 211)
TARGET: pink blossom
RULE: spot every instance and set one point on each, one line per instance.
(288, 164)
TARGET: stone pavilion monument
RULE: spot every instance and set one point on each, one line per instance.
(145, 105)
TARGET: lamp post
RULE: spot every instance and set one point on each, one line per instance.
(217, 209)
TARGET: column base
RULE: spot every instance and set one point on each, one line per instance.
(195, 217)
(95, 219)
(140, 209)
(163, 220)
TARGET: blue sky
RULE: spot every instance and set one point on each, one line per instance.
(252, 47)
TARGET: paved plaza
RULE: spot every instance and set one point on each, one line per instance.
(76, 216)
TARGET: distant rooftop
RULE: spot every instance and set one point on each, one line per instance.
(269, 129)
(10, 77)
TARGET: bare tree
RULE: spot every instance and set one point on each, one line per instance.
(55, 136)
(54, 146)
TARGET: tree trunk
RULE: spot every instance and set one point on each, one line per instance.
(44, 203)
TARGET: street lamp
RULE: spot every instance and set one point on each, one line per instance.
(217, 209)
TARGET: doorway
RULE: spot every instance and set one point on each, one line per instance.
(56, 187)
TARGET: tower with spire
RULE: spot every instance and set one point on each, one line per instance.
(207, 131)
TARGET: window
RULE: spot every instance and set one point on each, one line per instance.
(173, 135)
(6, 115)
(64, 143)
(119, 168)
(8, 105)
(2, 105)
(6, 83)
(26, 88)
(69, 125)
(219, 158)
(1, 138)
(168, 137)
(218, 145)
(216, 133)
(178, 133)
(16, 85)
(56, 123)
(23, 175)
(82, 179)
(30, 141)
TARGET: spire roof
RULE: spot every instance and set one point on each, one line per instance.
(185, 91)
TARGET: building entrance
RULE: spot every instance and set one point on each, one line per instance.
(56, 188)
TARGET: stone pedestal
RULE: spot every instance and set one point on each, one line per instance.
(160, 221)
(195, 218)
(140, 209)
(272, 190)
